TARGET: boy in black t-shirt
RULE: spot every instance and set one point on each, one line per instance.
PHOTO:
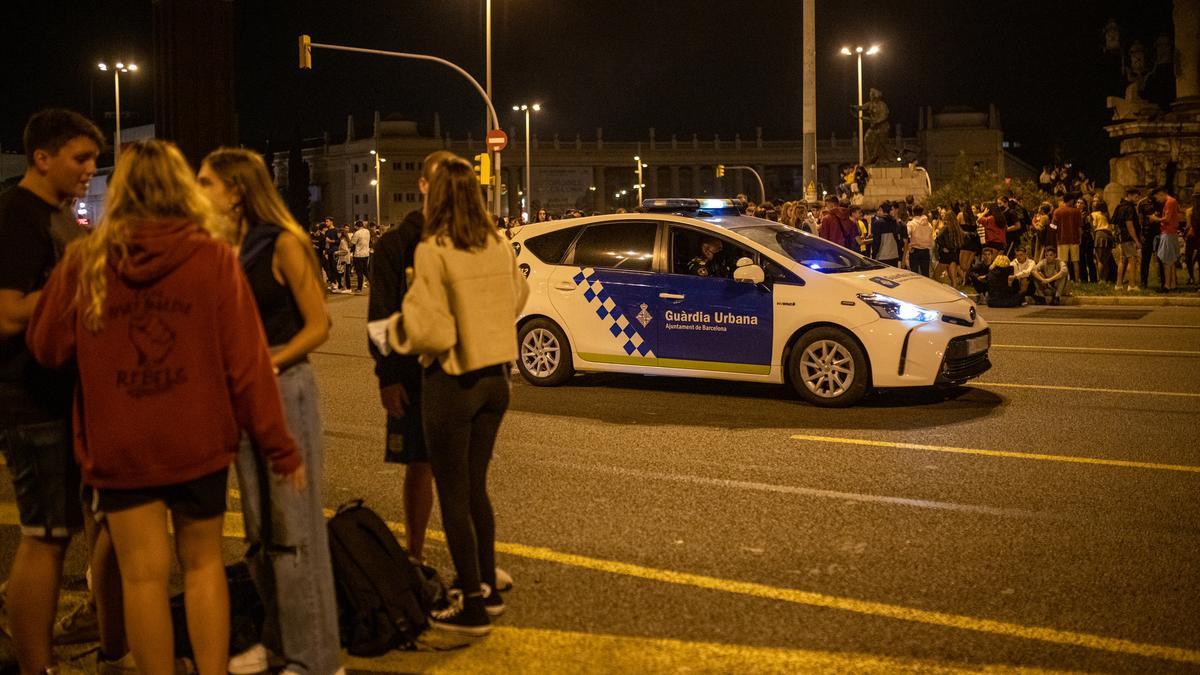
(61, 148)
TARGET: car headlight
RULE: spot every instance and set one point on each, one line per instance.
(890, 308)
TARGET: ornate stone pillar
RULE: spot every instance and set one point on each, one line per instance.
(1187, 54)
(599, 196)
(675, 181)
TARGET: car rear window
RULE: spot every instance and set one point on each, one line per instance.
(552, 246)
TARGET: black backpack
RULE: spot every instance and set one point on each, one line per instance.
(383, 598)
(246, 613)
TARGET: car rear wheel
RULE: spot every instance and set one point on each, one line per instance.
(827, 368)
(543, 354)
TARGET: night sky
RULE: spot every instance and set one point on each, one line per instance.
(683, 67)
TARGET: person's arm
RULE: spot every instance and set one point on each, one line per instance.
(15, 310)
(388, 286)
(1062, 272)
(425, 324)
(300, 275)
(253, 389)
(51, 327)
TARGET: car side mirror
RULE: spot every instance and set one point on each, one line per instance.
(748, 271)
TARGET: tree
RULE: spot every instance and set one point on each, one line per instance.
(972, 184)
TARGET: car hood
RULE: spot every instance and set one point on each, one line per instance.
(900, 284)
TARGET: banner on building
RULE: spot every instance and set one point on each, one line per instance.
(557, 188)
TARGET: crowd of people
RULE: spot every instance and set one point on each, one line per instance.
(140, 360)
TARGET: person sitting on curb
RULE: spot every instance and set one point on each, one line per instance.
(1050, 276)
(978, 275)
(1023, 272)
(1002, 291)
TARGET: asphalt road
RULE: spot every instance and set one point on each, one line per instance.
(1046, 516)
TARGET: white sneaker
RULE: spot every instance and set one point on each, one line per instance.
(253, 660)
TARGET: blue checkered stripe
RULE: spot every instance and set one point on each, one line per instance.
(608, 312)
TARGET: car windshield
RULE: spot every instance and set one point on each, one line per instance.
(809, 250)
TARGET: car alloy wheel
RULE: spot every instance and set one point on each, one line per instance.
(541, 353)
(827, 368)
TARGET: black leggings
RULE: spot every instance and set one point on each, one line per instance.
(461, 415)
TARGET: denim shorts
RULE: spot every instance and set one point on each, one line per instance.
(45, 478)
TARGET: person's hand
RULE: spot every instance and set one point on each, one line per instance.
(298, 479)
(394, 398)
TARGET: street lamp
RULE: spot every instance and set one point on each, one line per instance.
(117, 68)
(375, 183)
(858, 51)
(641, 183)
(526, 108)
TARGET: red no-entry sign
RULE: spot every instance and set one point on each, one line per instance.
(497, 140)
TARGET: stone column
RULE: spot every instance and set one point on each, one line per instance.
(650, 175)
(674, 181)
(809, 124)
(739, 182)
(695, 182)
(1187, 55)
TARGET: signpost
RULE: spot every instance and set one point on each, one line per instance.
(497, 140)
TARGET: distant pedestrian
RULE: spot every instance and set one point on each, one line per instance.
(1167, 250)
(971, 244)
(460, 316)
(1127, 223)
(920, 241)
(886, 242)
(947, 244)
(360, 252)
(1067, 223)
(172, 363)
(285, 529)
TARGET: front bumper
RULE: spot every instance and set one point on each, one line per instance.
(959, 365)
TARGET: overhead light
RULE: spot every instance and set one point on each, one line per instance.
(120, 65)
(846, 51)
(133, 67)
(517, 107)
(537, 106)
(103, 66)
(873, 50)
(372, 152)
(858, 50)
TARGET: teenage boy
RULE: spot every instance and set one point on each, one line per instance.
(1050, 277)
(1167, 250)
(1127, 223)
(36, 224)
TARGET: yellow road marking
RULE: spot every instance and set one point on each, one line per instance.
(1000, 453)
(854, 605)
(1097, 390)
(1099, 350)
(516, 650)
(233, 528)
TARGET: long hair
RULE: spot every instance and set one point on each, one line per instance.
(454, 207)
(152, 181)
(245, 172)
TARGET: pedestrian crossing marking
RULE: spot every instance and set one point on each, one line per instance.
(999, 453)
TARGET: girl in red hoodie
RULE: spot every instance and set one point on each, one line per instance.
(172, 361)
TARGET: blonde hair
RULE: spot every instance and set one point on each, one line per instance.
(152, 181)
(245, 172)
(1001, 261)
(454, 207)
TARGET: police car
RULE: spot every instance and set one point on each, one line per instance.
(693, 288)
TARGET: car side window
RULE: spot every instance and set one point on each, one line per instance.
(703, 254)
(627, 246)
(552, 246)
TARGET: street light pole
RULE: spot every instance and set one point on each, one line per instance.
(858, 51)
(487, 76)
(378, 160)
(118, 68)
(641, 183)
(527, 109)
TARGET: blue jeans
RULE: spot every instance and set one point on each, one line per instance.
(289, 551)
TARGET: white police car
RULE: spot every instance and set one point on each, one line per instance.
(692, 288)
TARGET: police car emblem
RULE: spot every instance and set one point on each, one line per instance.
(644, 317)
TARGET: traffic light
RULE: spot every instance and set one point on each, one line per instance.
(483, 168)
(305, 52)
(720, 171)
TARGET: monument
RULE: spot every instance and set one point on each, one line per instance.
(1157, 146)
(875, 113)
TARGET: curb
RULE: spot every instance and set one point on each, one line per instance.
(1122, 300)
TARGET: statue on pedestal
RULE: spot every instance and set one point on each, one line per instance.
(875, 116)
(1136, 72)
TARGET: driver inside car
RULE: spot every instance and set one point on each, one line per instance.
(706, 264)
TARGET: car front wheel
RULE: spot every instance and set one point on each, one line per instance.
(543, 354)
(827, 368)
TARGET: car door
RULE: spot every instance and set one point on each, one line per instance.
(606, 293)
(710, 321)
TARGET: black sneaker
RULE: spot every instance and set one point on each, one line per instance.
(466, 615)
(492, 602)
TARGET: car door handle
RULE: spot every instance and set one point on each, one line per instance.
(671, 296)
(564, 286)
